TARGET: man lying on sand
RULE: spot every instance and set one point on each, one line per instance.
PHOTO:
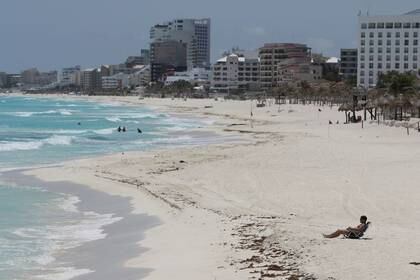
(352, 233)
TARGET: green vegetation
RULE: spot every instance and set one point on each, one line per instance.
(396, 82)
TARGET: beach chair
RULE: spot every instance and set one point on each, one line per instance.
(357, 234)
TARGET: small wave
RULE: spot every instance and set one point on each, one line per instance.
(59, 140)
(35, 145)
(114, 119)
(105, 131)
(19, 146)
(68, 204)
(63, 112)
(64, 273)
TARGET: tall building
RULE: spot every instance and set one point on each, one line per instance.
(14, 80)
(167, 56)
(236, 71)
(145, 53)
(348, 63)
(3, 79)
(91, 79)
(274, 57)
(194, 32)
(387, 43)
(70, 76)
(29, 76)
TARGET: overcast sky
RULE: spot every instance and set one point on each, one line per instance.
(51, 34)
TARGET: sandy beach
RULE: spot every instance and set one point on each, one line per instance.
(257, 208)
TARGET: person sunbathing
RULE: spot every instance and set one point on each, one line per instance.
(352, 233)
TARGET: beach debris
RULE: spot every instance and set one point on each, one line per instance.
(415, 263)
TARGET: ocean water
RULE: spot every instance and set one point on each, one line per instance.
(36, 223)
(38, 131)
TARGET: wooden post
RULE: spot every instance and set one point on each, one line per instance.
(408, 130)
(362, 124)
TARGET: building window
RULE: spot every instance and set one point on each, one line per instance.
(397, 50)
(414, 65)
(405, 57)
(415, 57)
(380, 58)
(406, 34)
(371, 50)
(389, 25)
(370, 57)
(397, 66)
(372, 25)
(379, 50)
(415, 50)
(362, 50)
(405, 65)
(388, 34)
(397, 58)
(381, 25)
(362, 42)
(416, 42)
(371, 35)
(388, 42)
(362, 81)
(415, 34)
(416, 24)
(370, 65)
(380, 35)
(370, 81)
(379, 42)
(379, 65)
(388, 58)
(388, 66)
(388, 50)
(362, 73)
(398, 25)
(371, 42)
(364, 26)
(397, 35)
(407, 25)
(397, 42)
(406, 42)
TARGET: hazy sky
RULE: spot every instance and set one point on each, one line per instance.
(51, 34)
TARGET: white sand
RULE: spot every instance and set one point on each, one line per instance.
(234, 209)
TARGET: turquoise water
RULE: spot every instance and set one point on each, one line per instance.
(38, 131)
(36, 223)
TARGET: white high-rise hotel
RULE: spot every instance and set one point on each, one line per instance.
(387, 43)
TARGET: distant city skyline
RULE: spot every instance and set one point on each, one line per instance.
(50, 34)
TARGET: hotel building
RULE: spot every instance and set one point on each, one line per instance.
(273, 58)
(387, 43)
(236, 71)
(348, 63)
(193, 32)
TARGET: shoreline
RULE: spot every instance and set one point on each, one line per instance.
(121, 236)
(257, 209)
